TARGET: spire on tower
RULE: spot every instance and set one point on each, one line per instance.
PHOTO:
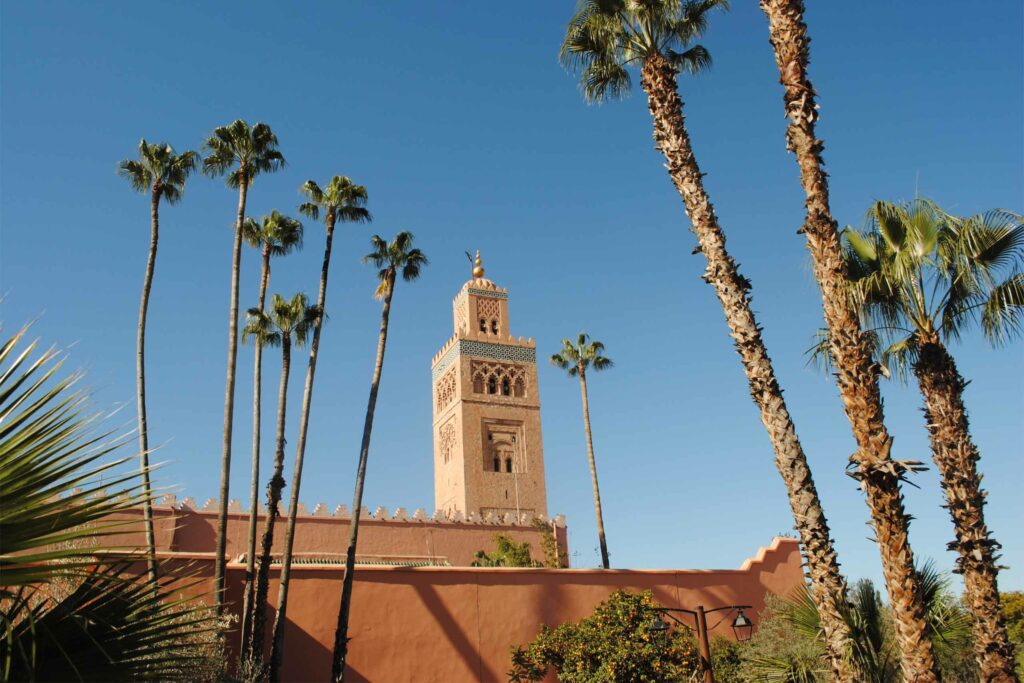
(478, 268)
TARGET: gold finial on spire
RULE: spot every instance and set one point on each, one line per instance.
(478, 268)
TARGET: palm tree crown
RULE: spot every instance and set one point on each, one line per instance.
(288, 318)
(576, 357)
(606, 37)
(919, 275)
(277, 233)
(394, 256)
(159, 169)
(241, 151)
(343, 199)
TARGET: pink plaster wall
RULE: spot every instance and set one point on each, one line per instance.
(456, 624)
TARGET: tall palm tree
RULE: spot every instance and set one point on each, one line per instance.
(872, 464)
(343, 201)
(576, 357)
(287, 324)
(390, 258)
(277, 235)
(921, 277)
(604, 40)
(242, 152)
(162, 173)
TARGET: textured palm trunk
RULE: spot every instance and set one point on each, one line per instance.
(593, 470)
(254, 486)
(274, 488)
(341, 634)
(277, 639)
(872, 465)
(732, 290)
(957, 457)
(140, 385)
(220, 563)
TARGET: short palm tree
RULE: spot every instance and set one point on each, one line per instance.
(604, 40)
(398, 256)
(162, 173)
(921, 277)
(872, 464)
(71, 606)
(276, 235)
(286, 324)
(242, 152)
(342, 201)
(576, 357)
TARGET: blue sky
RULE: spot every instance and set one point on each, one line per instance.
(465, 130)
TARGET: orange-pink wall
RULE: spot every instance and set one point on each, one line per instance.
(457, 624)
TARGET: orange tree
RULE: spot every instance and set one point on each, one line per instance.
(613, 644)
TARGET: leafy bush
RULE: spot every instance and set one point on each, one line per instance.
(508, 554)
(71, 606)
(614, 645)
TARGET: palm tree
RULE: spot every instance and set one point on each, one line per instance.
(872, 464)
(342, 201)
(390, 259)
(69, 608)
(277, 235)
(604, 40)
(162, 173)
(287, 324)
(921, 277)
(576, 357)
(243, 152)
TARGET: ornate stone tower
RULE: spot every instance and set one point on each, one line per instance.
(488, 454)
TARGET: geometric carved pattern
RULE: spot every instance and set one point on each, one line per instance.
(498, 378)
(487, 293)
(479, 349)
(487, 309)
(448, 438)
(446, 390)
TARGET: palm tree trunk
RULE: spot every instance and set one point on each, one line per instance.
(220, 565)
(732, 290)
(957, 457)
(254, 486)
(341, 634)
(593, 471)
(872, 464)
(274, 488)
(140, 385)
(277, 639)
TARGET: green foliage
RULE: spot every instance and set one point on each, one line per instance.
(390, 258)
(343, 199)
(788, 647)
(241, 151)
(288, 318)
(607, 37)
(614, 645)
(507, 554)
(548, 543)
(71, 606)
(159, 169)
(727, 660)
(1013, 613)
(919, 274)
(577, 356)
(277, 233)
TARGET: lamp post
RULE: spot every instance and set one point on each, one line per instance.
(742, 627)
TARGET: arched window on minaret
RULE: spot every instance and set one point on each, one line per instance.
(497, 464)
(494, 326)
(483, 324)
(506, 388)
(520, 387)
(508, 464)
(492, 385)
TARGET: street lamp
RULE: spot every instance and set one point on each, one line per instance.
(742, 627)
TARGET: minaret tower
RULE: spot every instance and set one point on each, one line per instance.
(488, 454)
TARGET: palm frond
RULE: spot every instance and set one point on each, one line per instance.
(1002, 315)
